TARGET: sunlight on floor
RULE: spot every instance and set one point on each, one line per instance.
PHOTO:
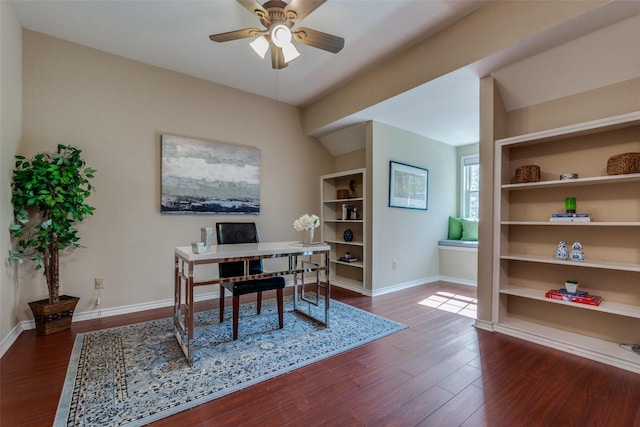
(453, 303)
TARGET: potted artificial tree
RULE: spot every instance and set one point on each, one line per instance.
(48, 197)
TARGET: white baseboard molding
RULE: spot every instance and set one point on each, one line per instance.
(459, 281)
(405, 285)
(590, 348)
(11, 337)
(484, 325)
(350, 287)
(98, 313)
(401, 286)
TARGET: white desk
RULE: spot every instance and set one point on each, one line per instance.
(186, 262)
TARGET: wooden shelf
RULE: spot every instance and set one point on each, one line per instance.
(607, 265)
(342, 242)
(608, 179)
(353, 199)
(605, 306)
(574, 224)
(357, 264)
(585, 128)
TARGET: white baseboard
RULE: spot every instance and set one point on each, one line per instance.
(459, 281)
(98, 313)
(405, 285)
(10, 338)
(484, 325)
(350, 287)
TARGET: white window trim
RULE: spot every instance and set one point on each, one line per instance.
(470, 159)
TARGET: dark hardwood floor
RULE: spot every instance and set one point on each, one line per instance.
(440, 371)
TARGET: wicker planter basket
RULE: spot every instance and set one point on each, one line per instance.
(52, 318)
(623, 163)
(528, 173)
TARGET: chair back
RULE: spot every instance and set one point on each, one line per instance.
(237, 232)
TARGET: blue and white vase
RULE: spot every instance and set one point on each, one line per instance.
(577, 254)
(562, 252)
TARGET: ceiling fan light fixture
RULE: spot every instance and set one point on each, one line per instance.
(260, 46)
(281, 35)
(289, 52)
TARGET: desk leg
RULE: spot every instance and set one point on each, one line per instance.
(293, 266)
(316, 267)
(327, 291)
(183, 307)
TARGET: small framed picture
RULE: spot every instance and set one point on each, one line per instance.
(408, 186)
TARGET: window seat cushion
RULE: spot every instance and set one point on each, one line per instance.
(459, 243)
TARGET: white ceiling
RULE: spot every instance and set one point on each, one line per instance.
(173, 34)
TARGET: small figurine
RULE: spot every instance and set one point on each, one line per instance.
(577, 254)
(562, 252)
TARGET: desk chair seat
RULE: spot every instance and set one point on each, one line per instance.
(245, 232)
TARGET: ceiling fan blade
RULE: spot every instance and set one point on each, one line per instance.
(277, 58)
(324, 41)
(296, 10)
(256, 8)
(235, 35)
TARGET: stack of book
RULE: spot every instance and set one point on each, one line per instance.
(579, 297)
(345, 259)
(570, 217)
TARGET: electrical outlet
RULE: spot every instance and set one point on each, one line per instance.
(99, 282)
(394, 264)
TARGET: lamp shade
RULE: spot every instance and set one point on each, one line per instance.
(260, 46)
(289, 52)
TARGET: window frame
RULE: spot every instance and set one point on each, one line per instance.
(465, 161)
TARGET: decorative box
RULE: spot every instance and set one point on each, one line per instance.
(528, 173)
(344, 194)
(623, 163)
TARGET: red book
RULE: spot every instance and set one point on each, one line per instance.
(589, 299)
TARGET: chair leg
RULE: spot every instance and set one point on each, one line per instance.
(280, 293)
(259, 303)
(221, 303)
(236, 315)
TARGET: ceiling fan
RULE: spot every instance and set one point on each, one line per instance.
(278, 19)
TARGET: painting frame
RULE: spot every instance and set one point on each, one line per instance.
(408, 186)
(208, 177)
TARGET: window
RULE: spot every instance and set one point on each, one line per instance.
(470, 200)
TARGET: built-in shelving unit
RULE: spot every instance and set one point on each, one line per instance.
(334, 224)
(525, 241)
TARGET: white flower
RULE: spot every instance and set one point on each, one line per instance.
(306, 222)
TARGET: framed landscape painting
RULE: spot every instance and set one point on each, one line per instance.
(206, 177)
(408, 186)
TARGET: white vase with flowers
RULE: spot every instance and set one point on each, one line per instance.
(307, 224)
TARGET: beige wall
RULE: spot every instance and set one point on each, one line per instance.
(10, 128)
(349, 161)
(607, 101)
(458, 265)
(115, 110)
(407, 235)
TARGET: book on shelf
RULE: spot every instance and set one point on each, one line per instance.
(570, 217)
(343, 259)
(575, 294)
(564, 296)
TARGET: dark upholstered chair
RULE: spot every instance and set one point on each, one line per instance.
(245, 232)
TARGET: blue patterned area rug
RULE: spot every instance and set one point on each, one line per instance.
(133, 375)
